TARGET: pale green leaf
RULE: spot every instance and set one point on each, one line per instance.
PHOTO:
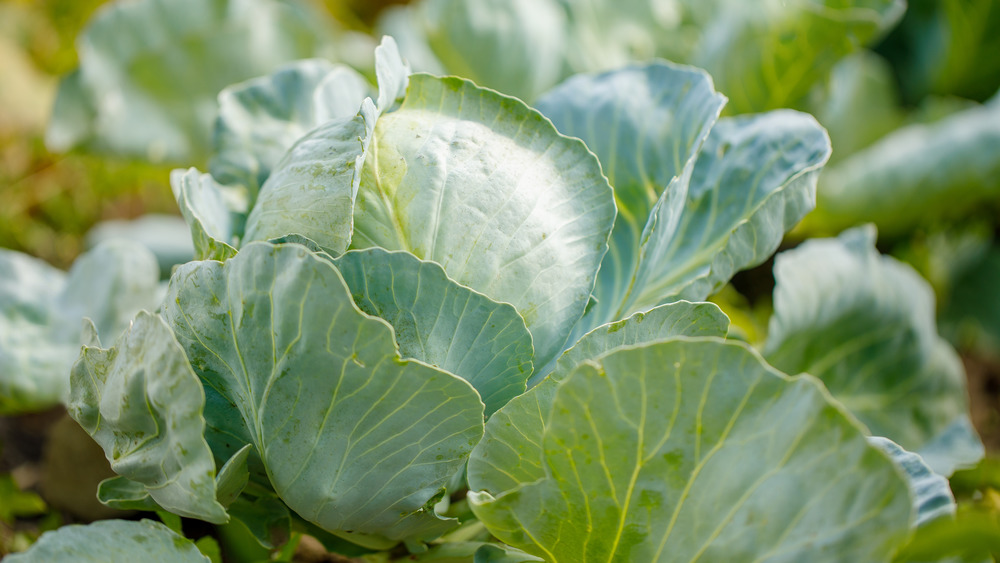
(233, 477)
(311, 191)
(517, 47)
(352, 437)
(33, 364)
(932, 497)
(864, 324)
(261, 118)
(495, 553)
(143, 404)
(41, 309)
(73, 114)
(701, 452)
(125, 494)
(150, 71)
(858, 104)
(753, 180)
(486, 187)
(265, 517)
(442, 323)
(922, 171)
(166, 235)
(402, 22)
(646, 124)
(766, 55)
(511, 449)
(111, 540)
(214, 213)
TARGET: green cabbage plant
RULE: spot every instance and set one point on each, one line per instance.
(427, 303)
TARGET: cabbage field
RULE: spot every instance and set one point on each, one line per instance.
(500, 281)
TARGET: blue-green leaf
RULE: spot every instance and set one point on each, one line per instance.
(864, 324)
(767, 55)
(41, 309)
(143, 404)
(353, 438)
(921, 171)
(753, 180)
(646, 124)
(514, 46)
(932, 498)
(515, 431)
(150, 71)
(311, 191)
(261, 118)
(214, 213)
(111, 540)
(442, 323)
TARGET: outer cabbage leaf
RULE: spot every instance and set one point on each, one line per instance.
(261, 118)
(932, 498)
(754, 179)
(352, 437)
(701, 452)
(312, 189)
(111, 540)
(216, 214)
(646, 124)
(126, 494)
(41, 309)
(486, 187)
(916, 172)
(442, 323)
(141, 401)
(864, 324)
(768, 54)
(511, 449)
(150, 71)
